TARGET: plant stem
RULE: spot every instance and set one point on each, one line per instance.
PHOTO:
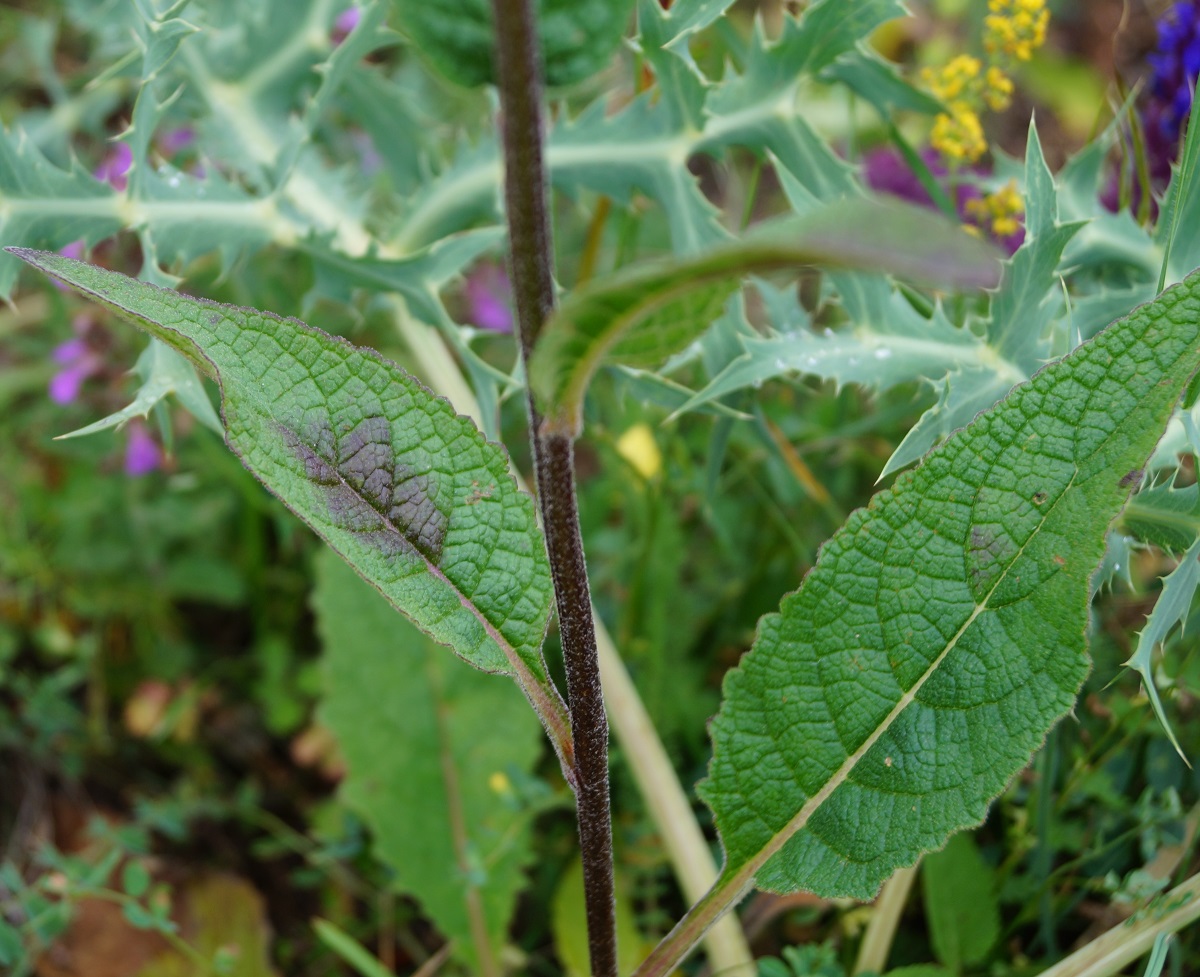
(531, 259)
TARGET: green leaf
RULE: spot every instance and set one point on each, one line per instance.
(942, 631)
(1172, 607)
(48, 207)
(10, 943)
(578, 37)
(960, 903)
(350, 950)
(135, 880)
(1165, 515)
(568, 923)
(886, 343)
(640, 315)
(408, 492)
(163, 371)
(432, 750)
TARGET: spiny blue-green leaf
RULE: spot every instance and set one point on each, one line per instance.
(960, 903)
(1029, 296)
(646, 145)
(942, 631)
(868, 75)
(578, 37)
(407, 491)
(159, 39)
(886, 342)
(1173, 606)
(1017, 327)
(1178, 228)
(641, 315)
(1164, 515)
(163, 371)
(47, 207)
(435, 755)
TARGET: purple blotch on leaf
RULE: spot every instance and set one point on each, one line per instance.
(367, 490)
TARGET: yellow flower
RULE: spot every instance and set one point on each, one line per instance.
(638, 447)
(958, 135)
(1015, 28)
(955, 79)
(999, 212)
(997, 89)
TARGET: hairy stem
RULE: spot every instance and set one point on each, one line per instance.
(531, 260)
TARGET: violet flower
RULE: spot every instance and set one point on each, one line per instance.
(1167, 101)
(77, 362)
(489, 296)
(142, 453)
(885, 170)
(114, 168)
(175, 141)
(1175, 65)
(345, 22)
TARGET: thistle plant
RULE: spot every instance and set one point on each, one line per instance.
(940, 634)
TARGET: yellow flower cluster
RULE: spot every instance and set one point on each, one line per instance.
(998, 212)
(958, 135)
(1015, 28)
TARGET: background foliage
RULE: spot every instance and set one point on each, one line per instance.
(177, 706)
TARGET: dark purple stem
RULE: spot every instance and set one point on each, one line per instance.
(531, 260)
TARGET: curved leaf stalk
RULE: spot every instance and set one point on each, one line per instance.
(1125, 942)
(530, 256)
(885, 920)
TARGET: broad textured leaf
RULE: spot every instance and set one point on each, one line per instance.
(641, 315)
(578, 37)
(407, 491)
(960, 903)
(942, 630)
(434, 755)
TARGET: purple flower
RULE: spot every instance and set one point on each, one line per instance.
(489, 296)
(114, 168)
(1174, 68)
(885, 170)
(346, 21)
(1175, 64)
(142, 453)
(175, 141)
(77, 362)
